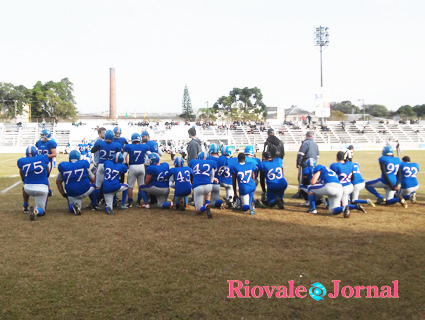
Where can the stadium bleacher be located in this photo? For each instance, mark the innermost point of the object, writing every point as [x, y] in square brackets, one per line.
[373, 132]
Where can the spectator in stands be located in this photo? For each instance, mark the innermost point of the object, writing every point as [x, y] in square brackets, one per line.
[195, 145]
[308, 149]
[309, 118]
[398, 149]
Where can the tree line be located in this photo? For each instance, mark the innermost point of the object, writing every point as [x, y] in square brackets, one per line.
[48, 100]
[377, 110]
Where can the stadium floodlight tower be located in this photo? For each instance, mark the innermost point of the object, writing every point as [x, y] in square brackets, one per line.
[321, 39]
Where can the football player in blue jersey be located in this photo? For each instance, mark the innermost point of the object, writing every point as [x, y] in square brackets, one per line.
[136, 152]
[156, 183]
[409, 180]
[153, 145]
[78, 180]
[203, 172]
[179, 178]
[244, 173]
[83, 146]
[250, 156]
[344, 171]
[307, 174]
[107, 150]
[276, 182]
[47, 146]
[215, 193]
[223, 167]
[358, 185]
[325, 183]
[390, 178]
[34, 171]
[111, 184]
[118, 139]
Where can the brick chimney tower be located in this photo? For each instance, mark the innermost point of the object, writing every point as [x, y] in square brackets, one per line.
[113, 95]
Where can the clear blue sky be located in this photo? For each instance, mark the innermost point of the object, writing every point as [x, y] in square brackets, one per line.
[376, 50]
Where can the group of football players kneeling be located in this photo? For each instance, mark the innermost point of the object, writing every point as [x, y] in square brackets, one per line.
[336, 187]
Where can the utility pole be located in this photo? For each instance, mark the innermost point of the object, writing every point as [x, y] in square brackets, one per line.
[362, 100]
[208, 112]
[321, 39]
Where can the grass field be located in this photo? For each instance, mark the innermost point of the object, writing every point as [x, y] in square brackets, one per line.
[142, 264]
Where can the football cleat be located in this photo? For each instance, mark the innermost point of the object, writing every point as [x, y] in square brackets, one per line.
[208, 211]
[413, 197]
[182, 205]
[346, 212]
[312, 211]
[25, 210]
[33, 213]
[237, 204]
[259, 204]
[263, 197]
[76, 209]
[403, 202]
[129, 205]
[109, 211]
[381, 201]
[279, 203]
[370, 202]
[145, 206]
[359, 207]
[305, 204]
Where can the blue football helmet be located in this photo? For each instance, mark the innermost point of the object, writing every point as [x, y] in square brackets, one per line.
[117, 132]
[45, 135]
[202, 155]
[118, 158]
[145, 133]
[226, 151]
[214, 148]
[178, 162]
[311, 162]
[74, 155]
[153, 158]
[135, 137]
[31, 151]
[387, 151]
[109, 135]
[249, 150]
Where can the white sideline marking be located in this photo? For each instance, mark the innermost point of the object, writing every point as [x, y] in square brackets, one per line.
[9, 159]
[12, 186]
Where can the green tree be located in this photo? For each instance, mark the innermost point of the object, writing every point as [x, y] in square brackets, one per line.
[345, 107]
[207, 114]
[187, 110]
[406, 111]
[13, 99]
[337, 115]
[377, 110]
[249, 100]
[419, 110]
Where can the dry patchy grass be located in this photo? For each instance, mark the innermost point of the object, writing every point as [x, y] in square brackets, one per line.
[159, 264]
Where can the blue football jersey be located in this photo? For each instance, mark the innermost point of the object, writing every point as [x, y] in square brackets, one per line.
[326, 175]
[106, 150]
[224, 170]
[357, 175]
[409, 173]
[201, 171]
[153, 146]
[83, 148]
[136, 153]
[111, 181]
[121, 141]
[216, 174]
[159, 174]
[244, 176]
[256, 161]
[181, 175]
[44, 147]
[273, 171]
[392, 164]
[344, 172]
[34, 169]
[75, 177]
[308, 171]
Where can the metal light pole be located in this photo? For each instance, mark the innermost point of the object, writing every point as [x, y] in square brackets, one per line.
[362, 100]
[321, 39]
[208, 112]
